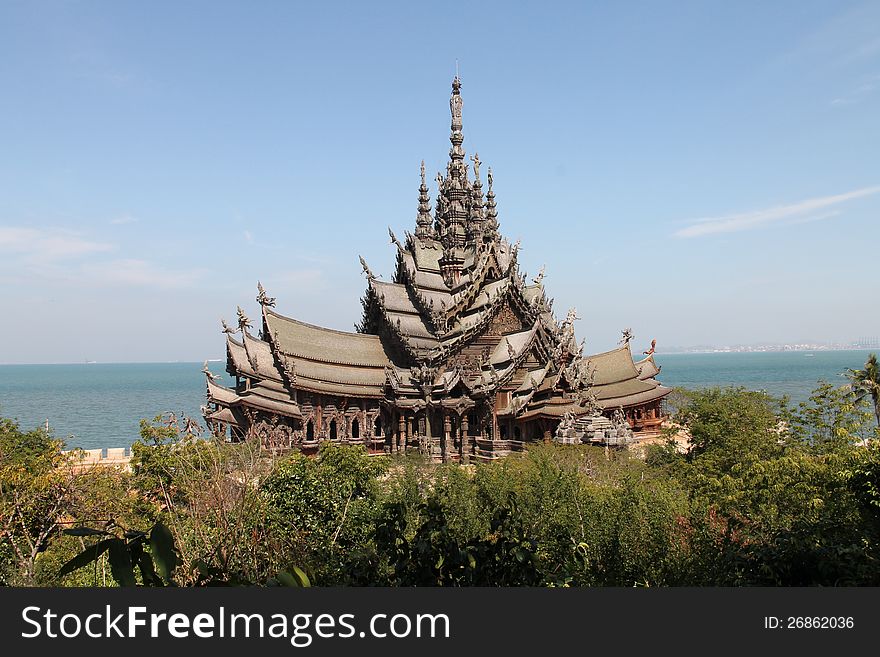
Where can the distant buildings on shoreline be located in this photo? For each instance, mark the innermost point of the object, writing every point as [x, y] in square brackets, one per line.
[861, 343]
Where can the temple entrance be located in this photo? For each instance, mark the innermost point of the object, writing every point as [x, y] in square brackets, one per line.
[310, 430]
[332, 429]
[355, 429]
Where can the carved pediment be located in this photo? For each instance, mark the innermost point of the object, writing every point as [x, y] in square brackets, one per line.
[506, 321]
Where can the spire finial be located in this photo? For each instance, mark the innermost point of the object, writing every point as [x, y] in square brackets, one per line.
[454, 199]
[490, 230]
[424, 223]
[455, 105]
[476, 218]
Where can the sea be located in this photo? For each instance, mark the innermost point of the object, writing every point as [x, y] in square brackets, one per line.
[96, 405]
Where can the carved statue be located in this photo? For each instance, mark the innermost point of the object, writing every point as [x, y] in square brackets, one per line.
[227, 329]
[619, 420]
[651, 350]
[455, 103]
[475, 158]
[540, 277]
[627, 336]
[262, 298]
[511, 352]
[565, 427]
[243, 321]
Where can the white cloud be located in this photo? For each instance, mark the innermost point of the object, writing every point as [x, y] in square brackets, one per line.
[865, 88]
[64, 258]
[47, 244]
[140, 273]
[123, 219]
[812, 218]
[248, 237]
[758, 218]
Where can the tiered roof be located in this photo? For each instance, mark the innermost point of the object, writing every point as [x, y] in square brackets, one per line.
[458, 320]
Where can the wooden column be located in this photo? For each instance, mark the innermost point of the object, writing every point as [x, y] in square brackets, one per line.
[401, 432]
[444, 446]
[465, 446]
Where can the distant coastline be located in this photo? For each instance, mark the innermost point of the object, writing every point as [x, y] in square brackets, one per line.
[770, 348]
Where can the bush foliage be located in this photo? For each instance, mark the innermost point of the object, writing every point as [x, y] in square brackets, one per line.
[764, 494]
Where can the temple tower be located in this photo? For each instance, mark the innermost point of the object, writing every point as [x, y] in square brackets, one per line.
[424, 223]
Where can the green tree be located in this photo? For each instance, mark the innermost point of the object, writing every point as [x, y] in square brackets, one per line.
[865, 383]
[730, 425]
[37, 490]
[323, 508]
[831, 420]
[209, 493]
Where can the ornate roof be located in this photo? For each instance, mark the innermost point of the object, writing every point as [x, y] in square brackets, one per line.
[297, 338]
[458, 323]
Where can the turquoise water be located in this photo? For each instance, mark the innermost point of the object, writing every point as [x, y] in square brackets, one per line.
[100, 405]
[792, 373]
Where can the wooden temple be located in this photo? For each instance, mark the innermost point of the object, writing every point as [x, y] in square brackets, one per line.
[458, 356]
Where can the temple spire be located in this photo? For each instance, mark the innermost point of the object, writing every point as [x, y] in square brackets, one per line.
[424, 223]
[490, 230]
[455, 189]
[456, 153]
[476, 218]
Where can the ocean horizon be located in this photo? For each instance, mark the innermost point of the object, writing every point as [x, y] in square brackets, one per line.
[97, 405]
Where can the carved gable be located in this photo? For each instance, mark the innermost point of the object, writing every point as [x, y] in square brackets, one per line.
[506, 321]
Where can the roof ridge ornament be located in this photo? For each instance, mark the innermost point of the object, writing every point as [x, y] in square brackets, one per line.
[394, 239]
[627, 335]
[228, 329]
[262, 298]
[370, 275]
[243, 321]
[540, 277]
[208, 373]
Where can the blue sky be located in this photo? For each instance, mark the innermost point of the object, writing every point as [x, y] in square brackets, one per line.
[703, 172]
